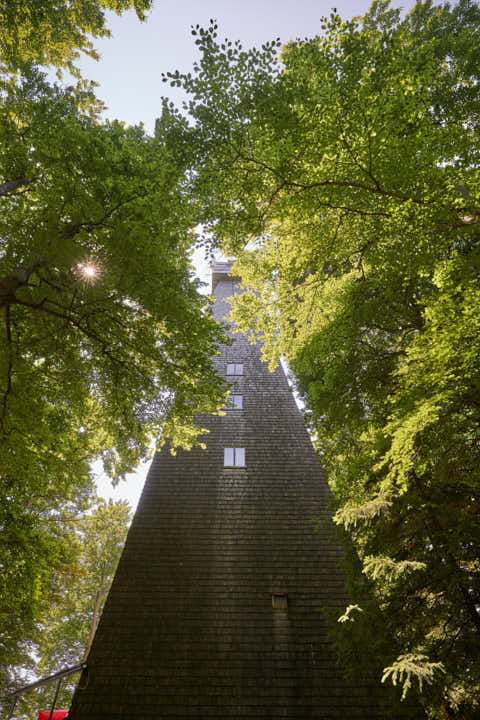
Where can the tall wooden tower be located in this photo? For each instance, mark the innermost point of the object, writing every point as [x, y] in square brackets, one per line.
[215, 611]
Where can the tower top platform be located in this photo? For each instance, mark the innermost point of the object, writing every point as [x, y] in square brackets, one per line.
[221, 270]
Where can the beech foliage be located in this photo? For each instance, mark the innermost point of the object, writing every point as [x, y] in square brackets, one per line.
[54, 32]
[342, 171]
[105, 341]
[65, 629]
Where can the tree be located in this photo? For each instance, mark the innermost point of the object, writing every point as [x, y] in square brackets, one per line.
[65, 630]
[70, 629]
[345, 178]
[106, 341]
[37, 551]
[51, 32]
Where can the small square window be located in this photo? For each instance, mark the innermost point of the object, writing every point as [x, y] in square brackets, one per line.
[235, 402]
[235, 369]
[280, 601]
[234, 457]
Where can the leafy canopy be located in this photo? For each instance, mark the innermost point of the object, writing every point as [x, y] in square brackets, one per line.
[92, 366]
[106, 342]
[52, 32]
[345, 178]
[89, 361]
[65, 628]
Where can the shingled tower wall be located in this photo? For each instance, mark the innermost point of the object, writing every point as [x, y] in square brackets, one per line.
[190, 629]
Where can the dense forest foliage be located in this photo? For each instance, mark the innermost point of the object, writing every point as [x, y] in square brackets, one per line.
[106, 342]
[344, 176]
[68, 617]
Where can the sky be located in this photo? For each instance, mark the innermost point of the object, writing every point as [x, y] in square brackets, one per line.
[133, 59]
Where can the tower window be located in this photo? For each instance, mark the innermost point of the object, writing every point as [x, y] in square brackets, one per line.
[235, 369]
[280, 601]
[234, 457]
[235, 402]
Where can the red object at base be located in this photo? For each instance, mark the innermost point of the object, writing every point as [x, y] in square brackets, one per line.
[56, 715]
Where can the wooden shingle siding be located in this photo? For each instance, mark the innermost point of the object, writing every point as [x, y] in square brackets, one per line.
[189, 631]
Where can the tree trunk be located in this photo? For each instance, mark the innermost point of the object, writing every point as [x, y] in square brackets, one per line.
[94, 621]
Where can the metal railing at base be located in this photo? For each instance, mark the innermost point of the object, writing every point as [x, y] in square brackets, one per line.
[13, 697]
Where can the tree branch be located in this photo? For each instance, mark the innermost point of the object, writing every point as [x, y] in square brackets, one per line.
[334, 183]
[9, 367]
[72, 320]
[9, 187]
[70, 229]
[10, 283]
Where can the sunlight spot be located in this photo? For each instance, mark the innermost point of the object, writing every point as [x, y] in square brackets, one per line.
[89, 271]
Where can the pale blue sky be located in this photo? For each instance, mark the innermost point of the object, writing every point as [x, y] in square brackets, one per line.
[132, 61]
[129, 72]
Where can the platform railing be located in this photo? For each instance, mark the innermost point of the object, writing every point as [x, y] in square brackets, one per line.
[58, 676]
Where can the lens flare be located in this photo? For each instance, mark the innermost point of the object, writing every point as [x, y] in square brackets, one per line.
[88, 271]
